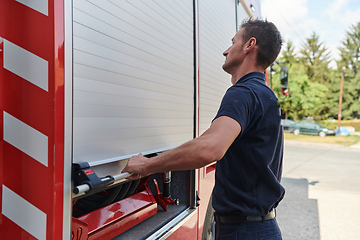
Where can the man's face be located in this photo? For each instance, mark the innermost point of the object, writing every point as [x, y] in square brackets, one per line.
[234, 55]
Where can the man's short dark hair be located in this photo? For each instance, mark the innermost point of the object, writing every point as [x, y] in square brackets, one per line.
[268, 40]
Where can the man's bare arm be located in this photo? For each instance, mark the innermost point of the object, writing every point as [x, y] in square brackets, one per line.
[209, 147]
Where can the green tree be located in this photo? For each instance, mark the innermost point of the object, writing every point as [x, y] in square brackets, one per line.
[288, 55]
[316, 57]
[331, 107]
[350, 52]
[350, 58]
[306, 98]
[351, 97]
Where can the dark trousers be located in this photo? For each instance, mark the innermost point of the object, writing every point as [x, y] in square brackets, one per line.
[267, 230]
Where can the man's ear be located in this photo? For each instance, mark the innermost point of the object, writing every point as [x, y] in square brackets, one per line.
[250, 45]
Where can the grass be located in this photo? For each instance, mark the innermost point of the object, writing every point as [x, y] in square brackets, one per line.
[334, 124]
[346, 141]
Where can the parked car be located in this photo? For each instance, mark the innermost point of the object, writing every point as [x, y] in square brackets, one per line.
[286, 124]
[311, 128]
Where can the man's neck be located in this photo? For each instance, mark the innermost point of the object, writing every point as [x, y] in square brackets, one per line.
[243, 71]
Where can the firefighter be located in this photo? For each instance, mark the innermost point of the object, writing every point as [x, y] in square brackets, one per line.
[245, 138]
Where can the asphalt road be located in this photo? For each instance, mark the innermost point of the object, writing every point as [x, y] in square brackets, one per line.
[322, 200]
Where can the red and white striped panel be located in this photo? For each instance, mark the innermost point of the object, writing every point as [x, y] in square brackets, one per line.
[31, 147]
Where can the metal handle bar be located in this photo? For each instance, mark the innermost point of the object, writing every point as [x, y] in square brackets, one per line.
[85, 187]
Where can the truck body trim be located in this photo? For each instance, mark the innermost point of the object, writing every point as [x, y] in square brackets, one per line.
[173, 225]
[19, 134]
[68, 116]
[15, 208]
[22, 63]
[38, 5]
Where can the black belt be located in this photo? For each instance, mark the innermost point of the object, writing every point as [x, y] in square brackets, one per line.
[238, 219]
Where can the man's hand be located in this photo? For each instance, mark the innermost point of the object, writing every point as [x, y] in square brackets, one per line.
[137, 166]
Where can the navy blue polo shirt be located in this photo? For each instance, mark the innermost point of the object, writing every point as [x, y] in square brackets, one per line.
[247, 178]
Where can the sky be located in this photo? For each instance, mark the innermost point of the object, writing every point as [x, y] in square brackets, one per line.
[298, 19]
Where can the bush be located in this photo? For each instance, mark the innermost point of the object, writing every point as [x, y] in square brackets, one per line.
[334, 124]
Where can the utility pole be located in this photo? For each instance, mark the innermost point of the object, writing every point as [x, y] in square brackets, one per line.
[340, 99]
[271, 73]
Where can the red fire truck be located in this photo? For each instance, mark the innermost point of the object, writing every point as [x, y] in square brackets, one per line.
[86, 84]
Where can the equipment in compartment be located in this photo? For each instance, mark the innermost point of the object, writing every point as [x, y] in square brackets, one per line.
[102, 216]
[111, 208]
[104, 198]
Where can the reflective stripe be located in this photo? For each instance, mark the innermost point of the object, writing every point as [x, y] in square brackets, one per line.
[26, 65]
[23, 213]
[26, 138]
[38, 5]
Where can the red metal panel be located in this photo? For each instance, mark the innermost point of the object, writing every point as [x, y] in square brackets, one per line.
[25, 176]
[27, 102]
[206, 185]
[8, 228]
[114, 219]
[28, 28]
[32, 182]
[58, 94]
[79, 230]
[2, 222]
[189, 230]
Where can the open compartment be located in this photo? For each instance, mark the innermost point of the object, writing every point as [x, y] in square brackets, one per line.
[116, 207]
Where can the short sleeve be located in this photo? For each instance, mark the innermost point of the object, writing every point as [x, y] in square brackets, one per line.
[239, 104]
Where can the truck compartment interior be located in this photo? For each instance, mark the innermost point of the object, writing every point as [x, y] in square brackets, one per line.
[93, 205]
[180, 190]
